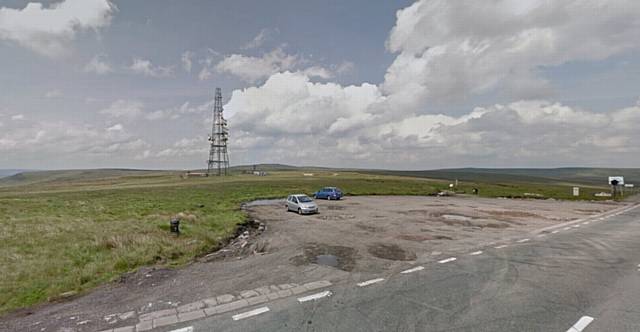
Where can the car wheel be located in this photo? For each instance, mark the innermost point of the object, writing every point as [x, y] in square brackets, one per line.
[328, 197]
[300, 211]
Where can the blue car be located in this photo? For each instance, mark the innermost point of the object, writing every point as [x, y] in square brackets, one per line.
[328, 193]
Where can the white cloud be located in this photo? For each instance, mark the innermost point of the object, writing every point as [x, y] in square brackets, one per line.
[17, 117]
[98, 65]
[187, 60]
[146, 68]
[116, 127]
[177, 112]
[253, 69]
[453, 49]
[48, 30]
[127, 109]
[259, 39]
[208, 64]
[53, 94]
[51, 140]
[447, 50]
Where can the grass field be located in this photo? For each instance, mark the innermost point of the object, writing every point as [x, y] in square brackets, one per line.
[72, 230]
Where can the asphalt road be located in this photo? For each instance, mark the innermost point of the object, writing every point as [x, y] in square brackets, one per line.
[545, 283]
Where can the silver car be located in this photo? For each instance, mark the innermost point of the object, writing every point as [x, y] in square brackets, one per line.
[302, 204]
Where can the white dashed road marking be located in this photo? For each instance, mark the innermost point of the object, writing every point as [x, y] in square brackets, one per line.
[502, 246]
[370, 282]
[542, 235]
[581, 324]
[476, 253]
[567, 228]
[415, 269]
[251, 313]
[184, 329]
[450, 259]
[522, 241]
[576, 226]
[314, 296]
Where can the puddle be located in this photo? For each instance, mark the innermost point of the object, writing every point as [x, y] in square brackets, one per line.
[343, 258]
[328, 260]
[391, 252]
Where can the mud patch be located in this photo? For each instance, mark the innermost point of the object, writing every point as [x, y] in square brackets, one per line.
[415, 237]
[496, 225]
[513, 214]
[369, 228]
[343, 258]
[340, 217]
[391, 252]
[333, 207]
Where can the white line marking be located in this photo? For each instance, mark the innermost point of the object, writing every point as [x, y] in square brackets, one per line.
[554, 232]
[184, 329]
[369, 282]
[567, 228]
[522, 241]
[581, 324]
[501, 246]
[576, 226]
[415, 269]
[475, 253]
[542, 235]
[314, 296]
[251, 313]
[450, 259]
[585, 223]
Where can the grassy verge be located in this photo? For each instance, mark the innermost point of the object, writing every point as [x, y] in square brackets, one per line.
[62, 236]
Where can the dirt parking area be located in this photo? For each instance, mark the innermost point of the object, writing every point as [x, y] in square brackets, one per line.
[367, 234]
[352, 239]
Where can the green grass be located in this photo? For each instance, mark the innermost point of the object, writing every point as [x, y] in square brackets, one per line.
[62, 232]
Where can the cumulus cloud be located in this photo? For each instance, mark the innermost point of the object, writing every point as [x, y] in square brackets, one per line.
[342, 125]
[252, 69]
[147, 68]
[49, 140]
[447, 50]
[17, 117]
[452, 49]
[127, 109]
[48, 29]
[98, 65]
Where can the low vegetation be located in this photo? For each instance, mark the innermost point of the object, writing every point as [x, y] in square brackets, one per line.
[63, 233]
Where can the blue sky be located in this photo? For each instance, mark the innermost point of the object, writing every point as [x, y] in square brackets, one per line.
[384, 84]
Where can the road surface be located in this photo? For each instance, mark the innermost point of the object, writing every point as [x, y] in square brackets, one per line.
[584, 276]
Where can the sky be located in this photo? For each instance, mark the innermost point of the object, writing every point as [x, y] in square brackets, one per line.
[374, 84]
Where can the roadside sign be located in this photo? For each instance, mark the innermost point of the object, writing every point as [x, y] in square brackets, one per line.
[616, 180]
[629, 185]
[576, 191]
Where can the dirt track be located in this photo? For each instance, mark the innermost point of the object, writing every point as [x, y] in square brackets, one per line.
[350, 239]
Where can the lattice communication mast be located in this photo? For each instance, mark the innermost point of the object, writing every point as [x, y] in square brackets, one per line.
[218, 162]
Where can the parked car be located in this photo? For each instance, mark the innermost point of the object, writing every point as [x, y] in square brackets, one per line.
[328, 193]
[302, 204]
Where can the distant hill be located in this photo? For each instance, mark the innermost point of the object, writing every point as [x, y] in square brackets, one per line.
[10, 172]
[578, 175]
[574, 175]
[61, 176]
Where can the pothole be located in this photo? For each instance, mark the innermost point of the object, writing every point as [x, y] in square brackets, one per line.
[391, 252]
[340, 257]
